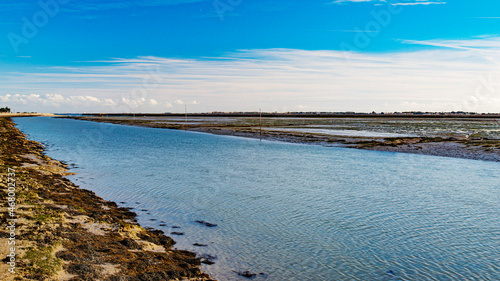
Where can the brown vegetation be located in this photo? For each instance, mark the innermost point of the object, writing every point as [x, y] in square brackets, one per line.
[67, 233]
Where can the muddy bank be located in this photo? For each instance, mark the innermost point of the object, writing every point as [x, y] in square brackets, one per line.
[62, 232]
[457, 145]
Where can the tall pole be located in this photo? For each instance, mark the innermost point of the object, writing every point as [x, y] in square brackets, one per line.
[260, 124]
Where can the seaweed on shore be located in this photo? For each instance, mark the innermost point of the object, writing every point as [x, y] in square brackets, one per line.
[68, 233]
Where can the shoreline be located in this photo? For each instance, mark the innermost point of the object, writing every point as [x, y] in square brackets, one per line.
[34, 114]
[444, 146]
[63, 232]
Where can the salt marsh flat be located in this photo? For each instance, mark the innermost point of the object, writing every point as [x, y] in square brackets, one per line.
[472, 138]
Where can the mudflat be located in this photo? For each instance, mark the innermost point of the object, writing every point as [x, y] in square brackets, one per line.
[470, 138]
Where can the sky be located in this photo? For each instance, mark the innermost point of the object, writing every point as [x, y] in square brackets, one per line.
[240, 55]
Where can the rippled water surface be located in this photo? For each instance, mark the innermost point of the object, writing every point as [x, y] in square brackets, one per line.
[293, 212]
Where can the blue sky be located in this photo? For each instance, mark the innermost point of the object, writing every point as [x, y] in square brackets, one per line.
[157, 55]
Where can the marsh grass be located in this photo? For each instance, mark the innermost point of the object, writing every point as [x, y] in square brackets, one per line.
[42, 260]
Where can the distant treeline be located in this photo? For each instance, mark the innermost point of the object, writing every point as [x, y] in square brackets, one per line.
[5, 109]
[309, 114]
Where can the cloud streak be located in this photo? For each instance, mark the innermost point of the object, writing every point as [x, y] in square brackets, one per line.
[482, 45]
[456, 75]
[395, 3]
[417, 3]
[96, 5]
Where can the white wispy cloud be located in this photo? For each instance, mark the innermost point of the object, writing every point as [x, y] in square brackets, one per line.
[353, 30]
[16, 5]
[388, 2]
[353, 1]
[482, 44]
[55, 100]
[98, 5]
[417, 3]
[455, 75]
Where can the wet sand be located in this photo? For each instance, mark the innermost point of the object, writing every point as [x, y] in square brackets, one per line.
[63, 232]
[465, 139]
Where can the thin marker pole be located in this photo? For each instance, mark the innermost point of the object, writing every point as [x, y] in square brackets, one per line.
[260, 124]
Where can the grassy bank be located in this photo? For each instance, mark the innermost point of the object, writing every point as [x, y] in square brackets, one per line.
[62, 232]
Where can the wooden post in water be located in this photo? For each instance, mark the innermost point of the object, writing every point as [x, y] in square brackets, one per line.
[260, 124]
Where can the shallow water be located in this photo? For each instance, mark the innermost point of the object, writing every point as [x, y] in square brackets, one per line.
[293, 212]
[344, 133]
